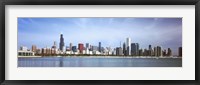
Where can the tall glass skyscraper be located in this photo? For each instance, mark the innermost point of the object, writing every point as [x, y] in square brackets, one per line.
[135, 49]
[62, 44]
[128, 46]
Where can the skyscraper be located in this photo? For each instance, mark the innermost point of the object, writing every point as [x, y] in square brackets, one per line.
[133, 49]
[80, 48]
[87, 45]
[124, 48]
[128, 46]
[137, 49]
[180, 51]
[150, 51]
[119, 51]
[159, 51]
[74, 49]
[54, 45]
[62, 44]
[99, 46]
[70, 46]
[169, 52]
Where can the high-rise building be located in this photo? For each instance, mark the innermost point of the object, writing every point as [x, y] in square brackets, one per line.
[150, 52]
[70, 46]
[74, 49]
[133, 49]
[124, 48]
[54, 45]
[87, 45]
[80, 48]
[119, 51]
[180, 51]
[159, 51]
[128, 46]
[62, 44]
[100, 47]
[164, 53]
[137, 49]
[169, 52]
[34, 48]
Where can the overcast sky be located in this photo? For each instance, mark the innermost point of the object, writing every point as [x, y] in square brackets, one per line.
[42, 32]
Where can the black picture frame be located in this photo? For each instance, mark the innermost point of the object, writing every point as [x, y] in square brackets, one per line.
[98, 2]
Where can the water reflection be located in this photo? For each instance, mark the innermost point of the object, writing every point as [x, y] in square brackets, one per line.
[98, 62]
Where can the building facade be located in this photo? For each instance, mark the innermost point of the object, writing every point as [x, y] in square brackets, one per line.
[62, 44]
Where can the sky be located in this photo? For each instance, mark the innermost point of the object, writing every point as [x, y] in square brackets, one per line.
[42, 32]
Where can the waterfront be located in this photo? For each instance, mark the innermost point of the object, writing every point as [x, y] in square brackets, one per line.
[100, 61]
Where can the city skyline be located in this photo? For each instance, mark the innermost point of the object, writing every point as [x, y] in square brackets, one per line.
[111, 32]
[128, 49]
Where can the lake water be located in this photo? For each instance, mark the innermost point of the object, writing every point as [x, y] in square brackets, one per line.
[98, 62]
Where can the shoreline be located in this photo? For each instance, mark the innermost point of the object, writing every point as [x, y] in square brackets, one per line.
[92, 57]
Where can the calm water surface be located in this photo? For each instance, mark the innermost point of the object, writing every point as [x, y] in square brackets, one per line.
[98, 62]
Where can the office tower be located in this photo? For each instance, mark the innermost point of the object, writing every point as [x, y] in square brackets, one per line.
[54, 48]
[150, 51]
[102, 49]
[119, 51]
[128, 46]
[164, 53]
[80, 48]
[70, 46]
[54, 45]
[133, 49]
[74, 49]
[62, 44]
[114, 51]
[90, 47]
[87, 45]
[159, 51]
[124, 48]
[44, 51]
[180, 51]
[38, 51]
[34, 48]
[169, 52]
[99, 46]
[137, 49]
